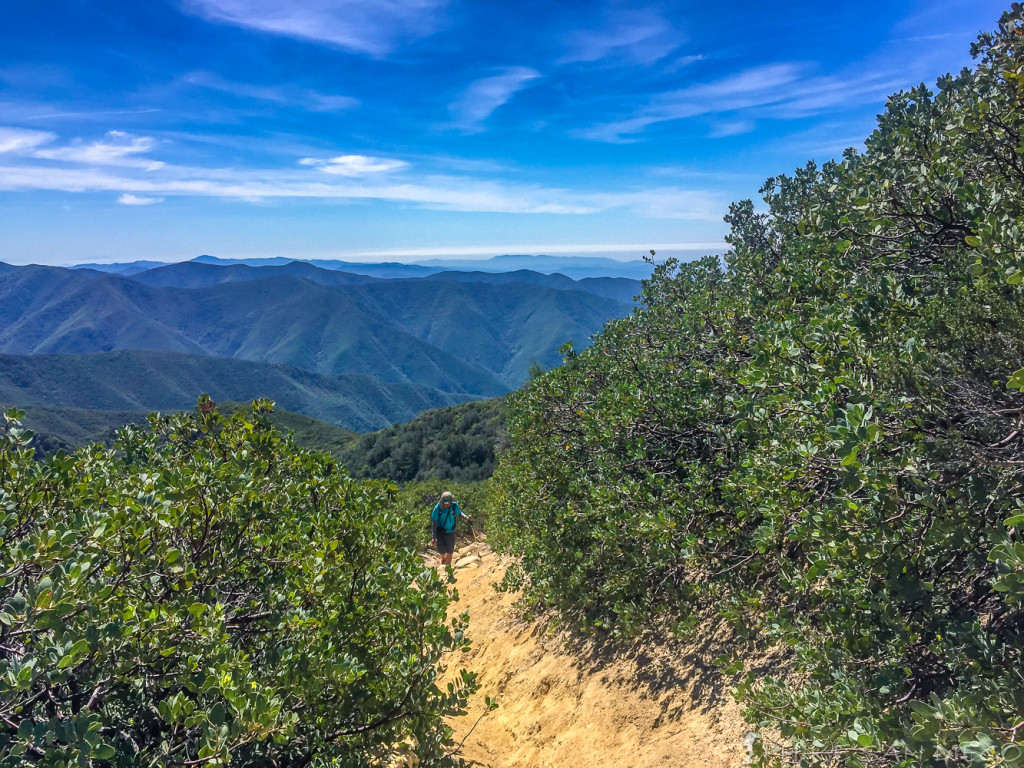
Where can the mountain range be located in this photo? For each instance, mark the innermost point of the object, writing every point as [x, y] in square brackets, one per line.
[575, 267]
[352, 349]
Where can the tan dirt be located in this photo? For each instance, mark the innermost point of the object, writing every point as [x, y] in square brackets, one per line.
[564, 703]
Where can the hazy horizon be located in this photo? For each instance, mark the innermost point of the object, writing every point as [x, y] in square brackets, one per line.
[424, 257]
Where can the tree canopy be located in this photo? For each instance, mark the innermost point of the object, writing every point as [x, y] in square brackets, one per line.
[458, 443]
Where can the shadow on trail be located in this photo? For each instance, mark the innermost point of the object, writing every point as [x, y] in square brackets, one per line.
[661, 666]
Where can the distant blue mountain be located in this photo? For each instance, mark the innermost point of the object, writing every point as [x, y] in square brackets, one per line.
[196, 274]
[619, 288]
[576, 267]
[387, 269]
[123, 268]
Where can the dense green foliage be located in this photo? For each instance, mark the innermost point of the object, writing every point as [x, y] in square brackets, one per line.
[820, 438]
[457, 443]
[206, 593]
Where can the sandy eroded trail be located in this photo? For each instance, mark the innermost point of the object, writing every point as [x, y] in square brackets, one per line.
[565, 704]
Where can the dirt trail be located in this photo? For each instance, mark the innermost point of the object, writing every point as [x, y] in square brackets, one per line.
[662, 704]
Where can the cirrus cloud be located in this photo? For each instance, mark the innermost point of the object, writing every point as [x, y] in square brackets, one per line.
[115, 164]
[118, 148]
[355, 165]
[129, 199]
[633, 36]
[374, 27]
[483, 96]
[22, 140]
[781, 91]
[287, 95]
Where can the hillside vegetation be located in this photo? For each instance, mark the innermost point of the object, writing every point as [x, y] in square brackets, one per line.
[457, 443]
[142, 380]
[820, 438]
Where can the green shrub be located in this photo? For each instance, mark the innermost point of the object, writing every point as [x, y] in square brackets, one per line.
[205, 593]
[816, 437]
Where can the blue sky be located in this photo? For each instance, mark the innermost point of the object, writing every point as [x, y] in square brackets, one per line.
[399, 129]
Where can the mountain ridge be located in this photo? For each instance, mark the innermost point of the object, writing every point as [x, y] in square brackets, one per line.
[576, 267]
[478, 339]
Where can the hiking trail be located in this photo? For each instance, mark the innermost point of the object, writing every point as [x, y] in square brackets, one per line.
[563, 702]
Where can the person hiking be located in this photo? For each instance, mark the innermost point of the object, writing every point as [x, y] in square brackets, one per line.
[442, 526]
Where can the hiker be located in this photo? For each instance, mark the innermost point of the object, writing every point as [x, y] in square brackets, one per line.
[442, 526]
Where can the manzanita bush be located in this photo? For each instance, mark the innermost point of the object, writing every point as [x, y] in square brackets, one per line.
[205, 593]
[822, 437]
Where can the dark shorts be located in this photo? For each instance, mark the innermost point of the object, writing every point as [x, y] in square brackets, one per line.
[446, 542]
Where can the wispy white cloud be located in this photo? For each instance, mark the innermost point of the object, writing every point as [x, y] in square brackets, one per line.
[355, 165]
[374, 27]
[118, 148]
[682, 62]
[22, 139]
[129, 199]
[309, 99]
[430, 192]
[666, 203]
[354, 177]
[27, 111]
[780, 91]
[634, 36]
[483, 96]
[726, 128]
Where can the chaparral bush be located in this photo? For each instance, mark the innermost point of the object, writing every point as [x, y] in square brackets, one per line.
[820, 436]
[205, 593]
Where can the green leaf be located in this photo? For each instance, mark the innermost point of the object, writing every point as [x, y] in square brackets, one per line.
[104, 752]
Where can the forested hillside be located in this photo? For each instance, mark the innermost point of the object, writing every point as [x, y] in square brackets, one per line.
[819, 438]
[197, 273]
[461, 337]
[457, 443]
[150, 381]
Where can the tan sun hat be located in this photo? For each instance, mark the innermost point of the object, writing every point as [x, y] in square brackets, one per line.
[447, 496]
